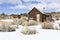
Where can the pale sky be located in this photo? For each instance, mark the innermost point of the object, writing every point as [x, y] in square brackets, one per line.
[24, 6]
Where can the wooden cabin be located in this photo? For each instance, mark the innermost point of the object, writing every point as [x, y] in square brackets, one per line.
[35, 14]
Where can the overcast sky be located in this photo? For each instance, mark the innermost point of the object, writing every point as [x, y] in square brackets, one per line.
[24, 6]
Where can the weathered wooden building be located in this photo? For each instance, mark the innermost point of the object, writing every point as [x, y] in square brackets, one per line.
[35, 14]
[15, 16]
[55, 15]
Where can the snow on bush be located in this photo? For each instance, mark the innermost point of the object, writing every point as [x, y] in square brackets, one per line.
[28, 31]
[31, 29]
[7, 20]
[15, 26]
[38, 27]
[56, 25]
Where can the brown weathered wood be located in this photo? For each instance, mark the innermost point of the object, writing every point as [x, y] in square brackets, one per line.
[33, 13]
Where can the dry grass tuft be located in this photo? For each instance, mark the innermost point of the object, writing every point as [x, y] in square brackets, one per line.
[47, 25]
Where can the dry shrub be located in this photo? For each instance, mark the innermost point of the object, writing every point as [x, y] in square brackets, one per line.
[1, 28]
[16, 22]
[10, 29]
[28, 23]
[6, 28]
[24, 21]
[32, 22]
[47, 25]
[29, 32]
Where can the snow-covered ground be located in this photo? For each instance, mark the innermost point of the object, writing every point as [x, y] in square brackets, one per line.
[43, 34]
[7, 20]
